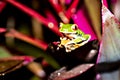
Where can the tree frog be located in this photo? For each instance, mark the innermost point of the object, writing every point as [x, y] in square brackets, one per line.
[72, 37]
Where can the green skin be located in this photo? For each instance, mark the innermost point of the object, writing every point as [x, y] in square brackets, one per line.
[73, 29]
[71, 32]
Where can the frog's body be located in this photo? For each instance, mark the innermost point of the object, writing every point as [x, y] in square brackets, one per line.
[73, 37]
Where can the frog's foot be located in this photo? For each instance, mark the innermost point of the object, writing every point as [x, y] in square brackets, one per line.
[85, 40]
[70, 47]
[87, 37]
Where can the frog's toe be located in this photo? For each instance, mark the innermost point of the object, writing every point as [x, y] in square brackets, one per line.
[87, 37]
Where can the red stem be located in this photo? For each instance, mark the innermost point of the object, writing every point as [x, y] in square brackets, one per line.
[51, 17]
[35, 42]
[59, 11]
[56, 6]
[36, 15]
[2, 5]
[2, 30]
[72, 9]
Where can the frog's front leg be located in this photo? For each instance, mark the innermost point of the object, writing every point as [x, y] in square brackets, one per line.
[80, 33]
[70, 46]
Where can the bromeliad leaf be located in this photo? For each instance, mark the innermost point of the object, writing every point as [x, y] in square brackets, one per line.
[64, 74]
[9, 64]
[110, 44]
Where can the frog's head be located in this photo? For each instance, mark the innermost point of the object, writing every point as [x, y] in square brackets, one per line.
[68, 28]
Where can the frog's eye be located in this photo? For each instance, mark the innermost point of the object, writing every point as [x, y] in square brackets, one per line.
[74, 27]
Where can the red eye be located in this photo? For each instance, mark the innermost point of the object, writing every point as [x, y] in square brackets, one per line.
[74, 27]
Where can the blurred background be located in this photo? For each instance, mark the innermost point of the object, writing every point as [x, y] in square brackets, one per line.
[28, 26]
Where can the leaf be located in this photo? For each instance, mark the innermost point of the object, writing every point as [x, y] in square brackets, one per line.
[9, 64]
[4, 52]
[94, 12]
[63, 74]
[110, 44]
[31, 50]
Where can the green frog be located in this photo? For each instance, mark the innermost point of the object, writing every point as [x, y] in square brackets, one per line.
[72, 37]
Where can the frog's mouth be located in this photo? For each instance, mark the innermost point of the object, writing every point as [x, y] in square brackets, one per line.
[69, 35]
